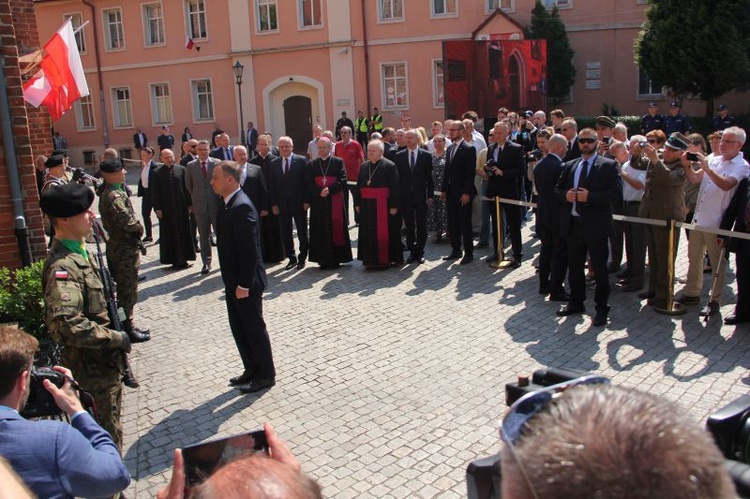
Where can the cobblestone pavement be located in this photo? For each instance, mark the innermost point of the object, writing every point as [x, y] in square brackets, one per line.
[390, 382]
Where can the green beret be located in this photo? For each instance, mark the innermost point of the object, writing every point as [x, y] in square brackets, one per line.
[110, 166]
[67, 200]
[54, 160]
[605, 121]
[678, 141]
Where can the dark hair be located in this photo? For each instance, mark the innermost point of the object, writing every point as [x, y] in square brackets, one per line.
[17, 349]
[230, 168]
[470, 115]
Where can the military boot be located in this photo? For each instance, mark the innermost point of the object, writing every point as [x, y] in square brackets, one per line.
[135, 335]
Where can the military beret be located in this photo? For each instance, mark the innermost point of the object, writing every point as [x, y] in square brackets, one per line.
[110, 166]
[54, 160]
[678, 141]
[67, 200]
[61, 152]
[605, 121]
[675, 103]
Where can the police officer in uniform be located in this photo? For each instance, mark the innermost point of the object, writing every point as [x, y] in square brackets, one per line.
[376, 121]
[723, 120]
[76, 308]
[123, 247]
[652, 120]
[676, 121]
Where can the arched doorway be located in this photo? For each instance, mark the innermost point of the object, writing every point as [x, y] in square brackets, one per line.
[514, 82]
[298, 121]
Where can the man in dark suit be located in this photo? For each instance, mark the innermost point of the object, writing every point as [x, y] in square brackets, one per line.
[458, 191]
[569, 130]
[417, 190]
[192, 155]
[503, 170]
[148, 166]
[251, 139]
[224, 151]
[737, 218]
[587, 189]
[203, 202]
[553, 255]
[244, 279]
[139, 139]
[252, 181]
[289, 199]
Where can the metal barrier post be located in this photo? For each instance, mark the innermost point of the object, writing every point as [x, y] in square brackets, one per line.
[501, 262]
[672, 308]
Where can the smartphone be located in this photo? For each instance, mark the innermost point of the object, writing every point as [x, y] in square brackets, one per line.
[691, 156]
[202, 459]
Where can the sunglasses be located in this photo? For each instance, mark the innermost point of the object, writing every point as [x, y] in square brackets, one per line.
[652, 141]
[585, 140]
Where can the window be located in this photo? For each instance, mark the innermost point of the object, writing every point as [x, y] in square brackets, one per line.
[153, 24]
[161, 103]
[648, 87]
[310, 13]
[267, 15]
[84, 108]
[390, 10]
[122, 114]
[438, 89]
[196, 11]
[447, 8]
[203, 100]
[561, 4]
[76, 20]
[504, 5]
[114, 36]
[393, 76]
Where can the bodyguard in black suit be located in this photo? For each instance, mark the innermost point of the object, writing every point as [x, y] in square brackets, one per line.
[252, 181]
[737, 218]
[244, 279]
[139, 139]
[224, 151]
[458, 191]
[289, 199]
[144, 190]
[417, 190]
[587, 189]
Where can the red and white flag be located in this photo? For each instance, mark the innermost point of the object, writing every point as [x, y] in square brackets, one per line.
[61, 80]
[190, 44]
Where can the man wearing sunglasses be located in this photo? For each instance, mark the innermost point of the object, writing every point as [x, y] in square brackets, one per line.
[588, 187]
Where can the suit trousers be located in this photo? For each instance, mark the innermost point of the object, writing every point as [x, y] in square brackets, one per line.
[250, 334]
[147, 206]
[553, 258]
[618, 238]
[459, 226]
[578, 247]
[658, 261]
[742, 309]
[415, 219]
[204, 222]
[512, 223]
[699, 243]
[300, 221]
[635, 245]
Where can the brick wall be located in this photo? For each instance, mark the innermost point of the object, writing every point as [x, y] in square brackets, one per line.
[31, 133]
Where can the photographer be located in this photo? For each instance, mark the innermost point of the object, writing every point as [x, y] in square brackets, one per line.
[54, 459]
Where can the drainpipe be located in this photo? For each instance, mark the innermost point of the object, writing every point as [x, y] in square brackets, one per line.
[367, 56]
[16, 194]
[95, 24]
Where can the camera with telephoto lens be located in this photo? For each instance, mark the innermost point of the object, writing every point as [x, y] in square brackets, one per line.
[730, 427]
[41, 404]
[489, 165]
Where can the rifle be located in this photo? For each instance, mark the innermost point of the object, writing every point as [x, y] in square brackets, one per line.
[128, 379]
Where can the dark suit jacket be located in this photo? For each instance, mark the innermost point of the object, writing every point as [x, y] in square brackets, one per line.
[218, 153]
[252, 139]
[152, 168]
[734, 216]
[574, 151]
[511, 162]
[546, 173]
[289, 192]
[186, 136]
[459, 172]
[57, 459]
[137, 143]
[417, 186]
[238, 241]
[188, 159]
[256, 188]
[605, 189]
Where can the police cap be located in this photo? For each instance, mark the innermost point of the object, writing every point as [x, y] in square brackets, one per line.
[605, 121]
[678, 142]
[54, 160]
[66, 200]
[110, 166]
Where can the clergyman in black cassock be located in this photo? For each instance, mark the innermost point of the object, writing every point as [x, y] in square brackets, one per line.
[329, 234]
[270, 229]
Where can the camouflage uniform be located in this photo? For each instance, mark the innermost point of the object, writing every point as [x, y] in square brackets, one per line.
[123, 256]
[76, 317]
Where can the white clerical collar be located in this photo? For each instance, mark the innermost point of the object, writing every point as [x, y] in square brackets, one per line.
[226, 199]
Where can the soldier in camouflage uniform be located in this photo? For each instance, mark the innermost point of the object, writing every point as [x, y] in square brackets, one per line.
[123, 246]
[54, 177]
[76, 308]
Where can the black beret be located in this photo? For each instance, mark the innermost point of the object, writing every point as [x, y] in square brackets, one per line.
[678, 141]
[61, 152]
[110, 166]
[605, 121]
[53, 161]
[66, 200]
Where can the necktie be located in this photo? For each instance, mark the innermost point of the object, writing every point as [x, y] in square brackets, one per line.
[584, 173]
[412, 159]
[453, 151]
[226, 154]
[286, 166]
[203, 169]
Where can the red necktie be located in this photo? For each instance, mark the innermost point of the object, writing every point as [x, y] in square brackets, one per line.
[203, 168]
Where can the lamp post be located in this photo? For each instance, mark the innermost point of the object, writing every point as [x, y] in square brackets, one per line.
[238, 70]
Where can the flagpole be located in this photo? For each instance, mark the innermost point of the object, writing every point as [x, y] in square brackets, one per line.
[79, 28]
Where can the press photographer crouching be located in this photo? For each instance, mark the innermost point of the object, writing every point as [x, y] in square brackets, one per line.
[54, 459]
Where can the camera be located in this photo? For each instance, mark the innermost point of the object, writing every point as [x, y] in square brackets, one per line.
[535, 155]
[40, 403]
[643, 143]
[489, 165]
[691, 156]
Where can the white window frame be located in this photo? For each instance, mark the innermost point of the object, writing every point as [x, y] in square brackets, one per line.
[489, 6]
[384, 87]
[119, 121]
[80, 34]
[648, 96]
[201, 15]
[438, 81]
[444, 15]
[196, 102]
[391, 19]
[560, 4]
[268, 4]
[154, 99]
[81, 106]
[106, 27]
[146, 10]
[316, 4]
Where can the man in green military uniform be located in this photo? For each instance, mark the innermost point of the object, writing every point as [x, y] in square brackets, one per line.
[123, 246]
[75, 306]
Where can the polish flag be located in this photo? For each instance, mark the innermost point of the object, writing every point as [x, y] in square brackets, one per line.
[190, 44]
[61, 80]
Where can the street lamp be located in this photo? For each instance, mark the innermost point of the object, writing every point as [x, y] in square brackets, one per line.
[238, 70]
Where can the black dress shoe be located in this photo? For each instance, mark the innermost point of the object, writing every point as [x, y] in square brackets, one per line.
[561, 296]
[567, 310]
[630, 287]
[300, 265]
[292, 263]
[452, 256]
[466, 259]
[600, 319]
[711, 308]
[646, 295]
[257, 385]
[622, 275]
[206, 269]
[612, 268]
[244, 378]
[544, 290]
[147, 240]
[733, 320]
[514, 263]
[411, 259]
